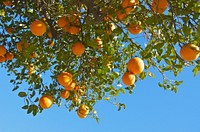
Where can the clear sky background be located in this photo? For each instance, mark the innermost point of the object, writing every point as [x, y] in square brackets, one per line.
[149, 109]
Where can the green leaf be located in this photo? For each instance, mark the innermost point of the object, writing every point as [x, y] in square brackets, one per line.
[25, 107]
[175, 90]
[22, 94]
[142, 75]
[15, 88]
[160, 85]
[177, 83]
[196, 71]
[107, 98]
[122, 90]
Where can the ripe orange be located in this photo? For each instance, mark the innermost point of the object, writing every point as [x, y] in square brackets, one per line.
[135, 65]
[7, 2]
[80, 115]
[93, 61]
[9, 30]
[159, 6]
[62, 22]
[71, 86]
[2, 58]
[121, 15]
[38, 28]
[73, 19]
[78, 49]
[128, 78]
[2, 50]
[128, 4]
[74, 30]
[66, 28]
[134, 28]
[33, 55]
[76, 100]
[65, 94]
[21, 45]
[50, 43]
[83, 111]
[49, 34]
[9, 56]
[46, 101]
[189, 52]
[65, 79]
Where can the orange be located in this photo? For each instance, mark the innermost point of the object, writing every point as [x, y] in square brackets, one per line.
[46, 101]
[65, 94]
[76, 99]
[81, 115]
[189, 52]
[78, 49]
[9, 56]
[73, 19]
[50, 43]
[66, 28]
[2, 50]
[2, 58]
[7, 2]
[33, 55]
[135, 65]
[21, 45]
[49, 34]
[38, 28]
[128, 78]
[74, 30]
[128, 5]
[93, 61]
[65, 79]
[71, 86]
[83, 111]
[159, 6]
[9, 30]
[134, 28]
[125, 3]
[121, 15]
[62, 22]
[76, 88]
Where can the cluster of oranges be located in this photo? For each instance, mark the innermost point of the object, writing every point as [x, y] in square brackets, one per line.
[70, 23]
[66, 80]
[135, 66]
[7, 2]
[158, 6]
[4, 55]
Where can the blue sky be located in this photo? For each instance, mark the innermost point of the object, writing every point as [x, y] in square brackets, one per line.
[149, 109]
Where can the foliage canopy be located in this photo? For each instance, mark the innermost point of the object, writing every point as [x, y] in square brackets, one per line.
[108, 32]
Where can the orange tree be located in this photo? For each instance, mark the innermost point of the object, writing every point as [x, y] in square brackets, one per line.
[78, 52]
